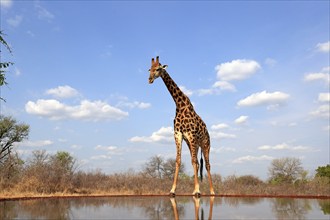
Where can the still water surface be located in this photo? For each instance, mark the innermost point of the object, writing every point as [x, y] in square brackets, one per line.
[166, 208]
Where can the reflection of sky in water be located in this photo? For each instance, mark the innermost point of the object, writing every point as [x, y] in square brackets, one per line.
[164, 208]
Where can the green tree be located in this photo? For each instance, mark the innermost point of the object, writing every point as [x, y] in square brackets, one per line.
[10, 132]
[63, 167]
[286, 170]
[3, 65]
[323, 171]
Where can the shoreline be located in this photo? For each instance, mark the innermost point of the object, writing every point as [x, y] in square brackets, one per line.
[71, 196]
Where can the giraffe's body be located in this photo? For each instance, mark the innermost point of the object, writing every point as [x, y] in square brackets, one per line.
[188, 126]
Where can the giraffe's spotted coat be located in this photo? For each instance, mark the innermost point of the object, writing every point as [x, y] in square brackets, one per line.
[188, 126]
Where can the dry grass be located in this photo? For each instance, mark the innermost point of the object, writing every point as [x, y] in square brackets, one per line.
[129, 183]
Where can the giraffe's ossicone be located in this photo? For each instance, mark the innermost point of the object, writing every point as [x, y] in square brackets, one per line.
[188, 126]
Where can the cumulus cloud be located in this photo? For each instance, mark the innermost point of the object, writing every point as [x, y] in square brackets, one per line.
[221, 135]
[323, 47]
[163, 135]
[285, 146]
[219, 126]
[217, 88]
[15, 21]
[264, 98]
[250, 158]
[237, 69]
[323, 111]
[186, 91]
[324, 97]
[63, 92]
[38, 143]
[241, 119]
[135, 104]
[86, 110]
[224, 85]
[324, 76]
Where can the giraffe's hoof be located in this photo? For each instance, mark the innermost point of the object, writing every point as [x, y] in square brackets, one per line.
[172, 194]
[197, 194]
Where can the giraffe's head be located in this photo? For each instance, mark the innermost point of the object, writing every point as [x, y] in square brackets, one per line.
[156, 69]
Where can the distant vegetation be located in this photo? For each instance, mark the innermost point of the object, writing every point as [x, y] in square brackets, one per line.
[44, 173]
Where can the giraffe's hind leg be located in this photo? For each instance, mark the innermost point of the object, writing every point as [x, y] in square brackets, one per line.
[206, 152]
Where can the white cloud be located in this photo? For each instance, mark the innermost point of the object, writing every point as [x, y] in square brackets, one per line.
[317, 77]
[43, 13]
[135, 104]
[202, 92]
[224, 85]
[264, 98]
[324, 75]
[223, 149]
[241, 119]
[217, 88]
[86, 110]
[322, 111]
[285, 146]
[62, 92]
[39, 143]
[106, 148]
[219, 126]
[221, 135]
[16, 21]
[163, 135]
[270, 62]
[6, 3]
[324, 97]
[250, 158]
[323, 47]
[237, 69]
[186, 91]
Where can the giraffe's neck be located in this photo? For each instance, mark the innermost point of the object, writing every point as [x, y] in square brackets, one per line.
[180, 99]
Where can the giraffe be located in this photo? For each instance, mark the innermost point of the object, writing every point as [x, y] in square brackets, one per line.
[188, 126]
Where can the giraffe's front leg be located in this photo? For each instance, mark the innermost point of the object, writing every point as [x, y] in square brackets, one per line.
[195, 164]
[178, 142]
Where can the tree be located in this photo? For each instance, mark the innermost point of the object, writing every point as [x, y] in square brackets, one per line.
[286, 170]
[10, 132]
[157, 167]
[154, 167]
[4, 65]
[169, 168]
[323, 171]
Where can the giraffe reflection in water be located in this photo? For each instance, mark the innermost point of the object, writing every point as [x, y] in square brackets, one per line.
[197, 207]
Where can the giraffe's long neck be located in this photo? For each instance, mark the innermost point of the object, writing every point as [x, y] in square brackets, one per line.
[180, 99]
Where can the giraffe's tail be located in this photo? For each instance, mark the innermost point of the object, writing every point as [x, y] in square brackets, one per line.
[201, 167]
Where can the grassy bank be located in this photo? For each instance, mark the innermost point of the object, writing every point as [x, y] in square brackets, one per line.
[129, 183]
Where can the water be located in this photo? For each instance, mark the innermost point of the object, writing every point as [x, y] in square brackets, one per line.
[166, 208]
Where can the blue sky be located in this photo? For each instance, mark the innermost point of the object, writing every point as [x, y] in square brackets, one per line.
[256, 72]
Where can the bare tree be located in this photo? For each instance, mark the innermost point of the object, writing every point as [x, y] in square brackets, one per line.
[285, 170]
[157, 167]
[154, 167]
[169, 168]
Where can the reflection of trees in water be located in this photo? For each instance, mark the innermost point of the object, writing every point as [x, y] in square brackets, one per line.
[285, 208]
[325, 206]
[8, 210]
[152, 207]
[236, 201]
[41, 208]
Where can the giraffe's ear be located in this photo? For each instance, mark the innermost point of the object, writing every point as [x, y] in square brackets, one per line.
[164, 66]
